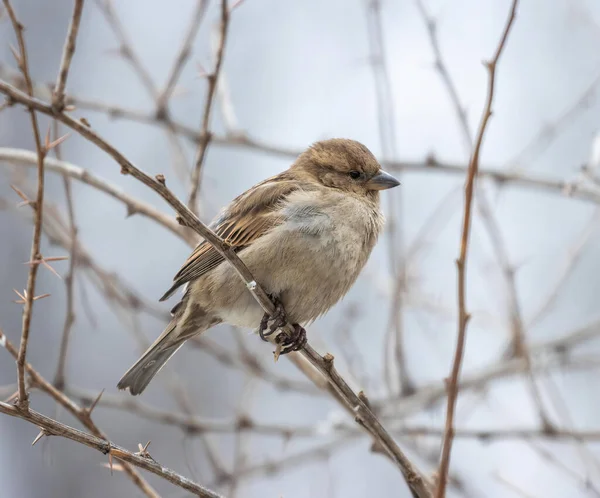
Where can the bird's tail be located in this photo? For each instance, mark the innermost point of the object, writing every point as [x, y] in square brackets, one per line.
[155, 357]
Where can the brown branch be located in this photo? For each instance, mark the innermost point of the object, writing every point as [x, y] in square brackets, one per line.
[182, 55]
[59, 377]
[143, 461]
[462, 265]
[82, 414]
[518, 346]
[125, 48]
[133, 205]
[414, 479]
[23, 402]
[58, 97]
[205, 135]
[127, 51]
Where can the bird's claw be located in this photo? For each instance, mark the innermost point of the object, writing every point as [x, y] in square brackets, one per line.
[278, 317]
[294, 342]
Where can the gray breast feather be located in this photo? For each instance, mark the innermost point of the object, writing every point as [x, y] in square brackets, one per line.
[307, 219]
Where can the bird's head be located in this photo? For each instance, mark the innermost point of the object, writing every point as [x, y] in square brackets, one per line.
[345, 165]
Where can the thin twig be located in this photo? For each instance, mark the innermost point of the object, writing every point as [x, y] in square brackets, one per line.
[58, 97]
[23, 401]
[55, 428]
[133, 205]
[205, 135]
[183, 55]
[452, 383]
[59, 377]
[518, 345]
[82, 414]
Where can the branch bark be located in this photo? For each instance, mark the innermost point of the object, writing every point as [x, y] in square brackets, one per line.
[461, 263]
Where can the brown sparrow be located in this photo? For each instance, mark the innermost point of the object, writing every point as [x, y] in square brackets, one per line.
[305, 235]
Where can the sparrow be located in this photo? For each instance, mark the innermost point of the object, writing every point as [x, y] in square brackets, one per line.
[304, 234]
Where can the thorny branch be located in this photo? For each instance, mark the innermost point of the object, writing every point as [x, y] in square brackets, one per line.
[452, 383]
[35, 255]
[144, 461]
[58, 97]
[82, 414]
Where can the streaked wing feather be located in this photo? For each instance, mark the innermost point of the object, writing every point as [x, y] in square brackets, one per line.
[247, 218]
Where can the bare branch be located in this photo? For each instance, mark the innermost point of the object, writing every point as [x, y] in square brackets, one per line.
[55, 428]
[23, 402]
[205, 135]
[134, 206]
[183, 54]
[462, 264]
[58, 97]
[81, 414]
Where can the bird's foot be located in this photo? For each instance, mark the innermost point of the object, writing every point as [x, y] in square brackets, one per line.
[295, 342]
[278, 317]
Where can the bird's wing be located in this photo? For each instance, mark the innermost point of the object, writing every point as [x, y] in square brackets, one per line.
[249, 216]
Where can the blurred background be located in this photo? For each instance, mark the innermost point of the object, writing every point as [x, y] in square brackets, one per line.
[406, 79]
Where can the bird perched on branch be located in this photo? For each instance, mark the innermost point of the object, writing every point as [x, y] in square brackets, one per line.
[305, 234]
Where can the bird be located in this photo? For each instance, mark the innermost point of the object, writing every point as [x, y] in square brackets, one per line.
[305, 235]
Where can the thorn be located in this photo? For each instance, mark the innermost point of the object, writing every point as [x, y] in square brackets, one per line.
[85, 122]
[160, 178]
[44, 261]
[43, 432]
[144, 451]
[20, 193]
[88, 411]
[277, 352]
[57, 142]
[130, 211]
[180, 220]
[124, 170]
[22, 296]
[328, 359]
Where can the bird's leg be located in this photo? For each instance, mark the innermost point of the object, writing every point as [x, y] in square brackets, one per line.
[278, 317]
[294, 343]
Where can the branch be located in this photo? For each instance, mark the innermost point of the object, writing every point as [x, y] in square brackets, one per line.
[205, 135]
[35, 255]
[462, 265]
[58, 97]
[82, 414]
[371, 424]
[134, 206]
[182, 55]
[143, 460]
[59, 377]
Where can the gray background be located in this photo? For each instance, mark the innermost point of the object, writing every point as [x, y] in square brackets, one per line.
[298, 72]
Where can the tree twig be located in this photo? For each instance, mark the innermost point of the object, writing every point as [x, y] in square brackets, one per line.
[35, 255]
[58, 97]
[183, 55]
[82, 414]
[52, 427]
[205, 135]
[461, 263]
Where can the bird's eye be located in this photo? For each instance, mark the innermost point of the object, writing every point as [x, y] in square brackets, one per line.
[355, 175]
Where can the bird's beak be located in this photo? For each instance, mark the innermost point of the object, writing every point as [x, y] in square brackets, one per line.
[382, 181]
